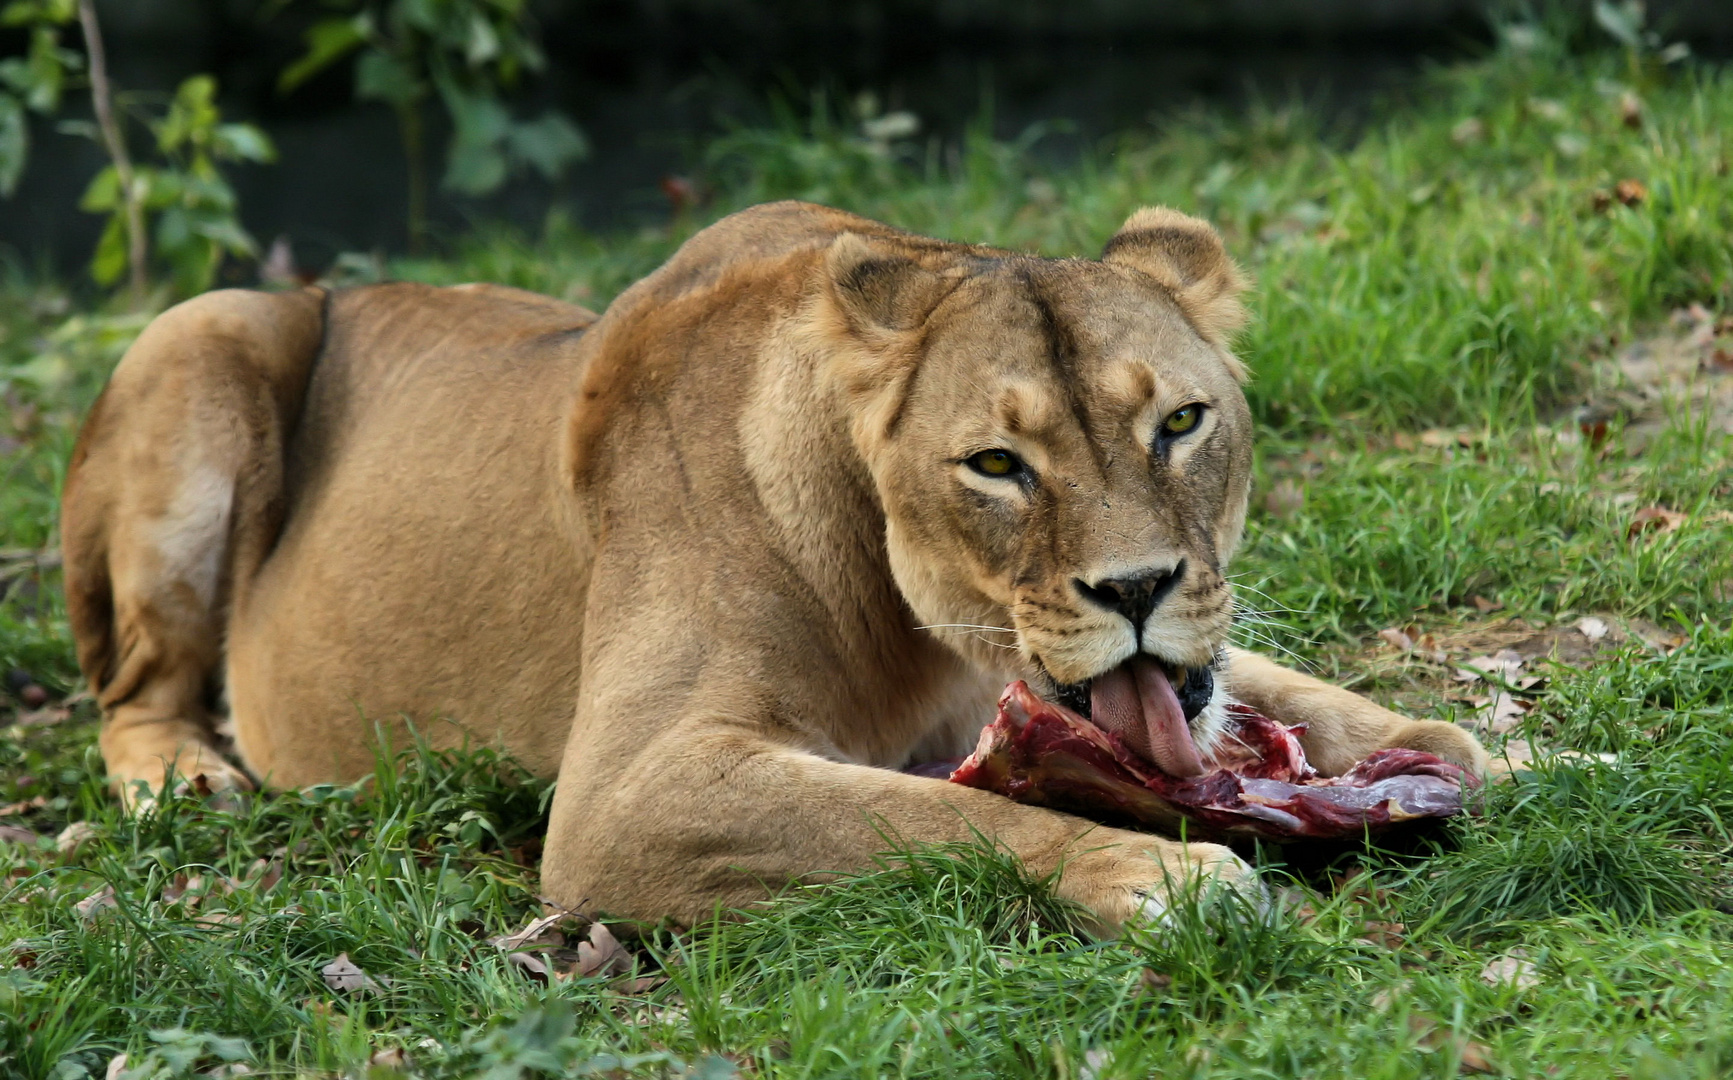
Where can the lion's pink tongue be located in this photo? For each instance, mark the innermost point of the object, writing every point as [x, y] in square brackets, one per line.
[1137, 703]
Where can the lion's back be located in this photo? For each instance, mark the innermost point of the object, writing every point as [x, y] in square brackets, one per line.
[426, 549]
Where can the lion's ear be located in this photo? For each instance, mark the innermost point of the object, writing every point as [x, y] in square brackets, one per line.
[876, 285]
[1185, 254]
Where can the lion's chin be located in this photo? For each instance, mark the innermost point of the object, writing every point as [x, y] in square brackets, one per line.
[1150, 705]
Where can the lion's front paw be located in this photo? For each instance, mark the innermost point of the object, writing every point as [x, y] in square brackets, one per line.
[1138, 879]
[1442, 740]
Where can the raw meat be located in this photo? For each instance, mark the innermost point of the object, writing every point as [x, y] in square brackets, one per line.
[1041, 753]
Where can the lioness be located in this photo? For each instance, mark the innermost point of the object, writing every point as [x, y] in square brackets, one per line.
[724, 559]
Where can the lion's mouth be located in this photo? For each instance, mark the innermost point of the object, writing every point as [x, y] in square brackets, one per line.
[1149, 705]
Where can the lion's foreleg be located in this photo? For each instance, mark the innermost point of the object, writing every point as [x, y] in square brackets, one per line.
[721, 819]
[1342, 727]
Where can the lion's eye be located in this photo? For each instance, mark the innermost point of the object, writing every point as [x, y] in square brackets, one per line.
[1182, 420]
[999, 463]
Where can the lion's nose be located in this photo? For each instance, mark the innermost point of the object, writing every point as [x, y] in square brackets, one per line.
[1132, 595]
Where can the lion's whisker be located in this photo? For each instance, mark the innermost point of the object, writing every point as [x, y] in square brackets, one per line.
[966, 626]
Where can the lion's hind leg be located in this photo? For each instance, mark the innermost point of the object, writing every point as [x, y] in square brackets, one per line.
[173, 497]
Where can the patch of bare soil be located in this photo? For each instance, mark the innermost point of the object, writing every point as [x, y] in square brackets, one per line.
[1489, 674]
[1651, 383]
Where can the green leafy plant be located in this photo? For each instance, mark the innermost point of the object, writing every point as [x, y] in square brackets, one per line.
[33, 82]
[468, 53]
[185, 194]
[182, 191]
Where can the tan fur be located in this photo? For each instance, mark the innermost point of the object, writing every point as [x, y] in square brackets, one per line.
[714, 559]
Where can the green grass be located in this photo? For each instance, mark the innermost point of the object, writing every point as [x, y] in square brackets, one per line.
[1409, 279]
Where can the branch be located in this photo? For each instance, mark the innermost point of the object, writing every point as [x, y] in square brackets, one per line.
[102, 102]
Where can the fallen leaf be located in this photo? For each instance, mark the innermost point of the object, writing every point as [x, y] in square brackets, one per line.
[15, 834]
[1485, 606]
[96, 904]
[1656, 519]
[531, 965]
[1442, 437]
[1398, 638]
[1471, 1056]
[1387, 997]
[1593, 628]
[343, 974]
[643, 984]
[183, 889]
[1630, 192]
[73, 837]
[392, 1057]
[1387, 935]
[1474, 1058]
[46, 717]
[1504, 665]
[1514, 968]
[262, 875]
[542, 931]
[116, 1066]
[602, 954]
[1502, 713]
[11, 809]
[1153, 981]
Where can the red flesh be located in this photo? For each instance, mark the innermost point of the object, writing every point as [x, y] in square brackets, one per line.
[1041, 753]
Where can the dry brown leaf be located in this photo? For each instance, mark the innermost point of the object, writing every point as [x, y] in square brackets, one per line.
[262, 876]
[602, 954]
[73, 836]
[1475, 1058]
[532, 965]
[1386, 998]
[1502, 713]
[1471, 1056]
[45, 717]
[343, 974]
[1504, 665]
[643, 984]
[1513, 968]
[542, 931]
[392, 1057]
[15, 834]
[11, 809]
[1485, 606]
[1152, 981]
[1630, 192]
[1397, 638]
[96, 904]
[1386, 935]
[1442, 437]
[1593, 628]
[1655, 519]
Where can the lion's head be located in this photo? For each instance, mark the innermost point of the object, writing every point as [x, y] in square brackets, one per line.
[1063, 454]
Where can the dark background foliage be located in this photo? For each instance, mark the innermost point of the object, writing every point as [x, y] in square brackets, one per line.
[650, 79]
